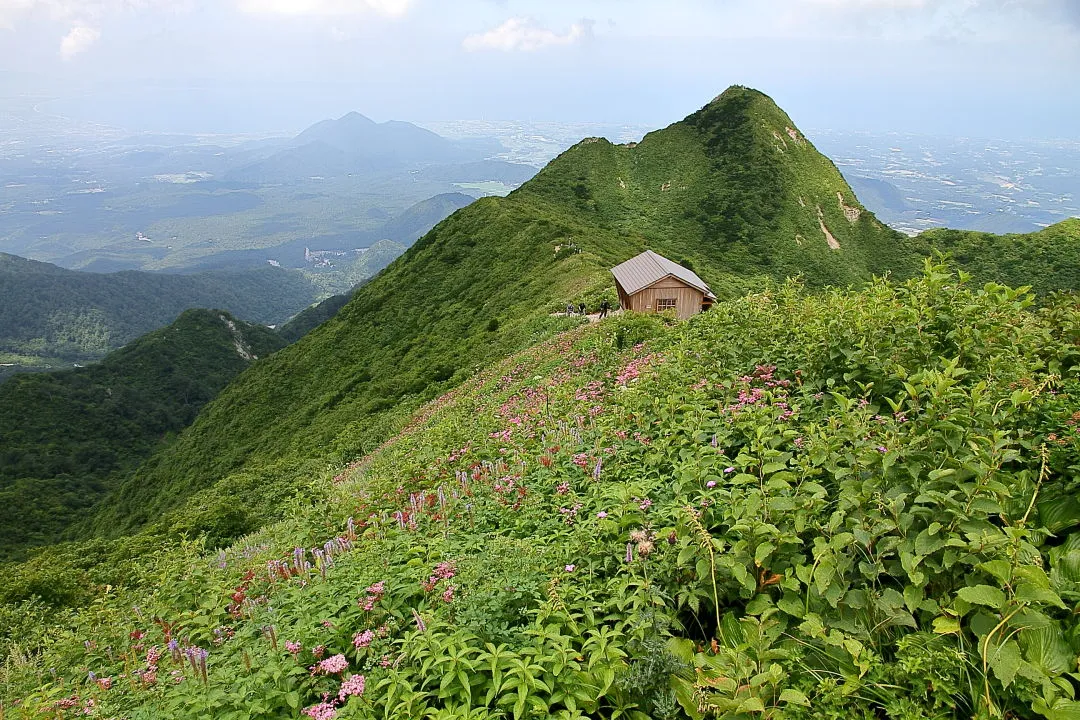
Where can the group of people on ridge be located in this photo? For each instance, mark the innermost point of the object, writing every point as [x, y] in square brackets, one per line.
[605, 306]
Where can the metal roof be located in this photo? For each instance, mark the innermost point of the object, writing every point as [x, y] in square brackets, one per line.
[648, 268]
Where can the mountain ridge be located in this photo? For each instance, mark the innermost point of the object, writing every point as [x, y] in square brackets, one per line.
[425, 322]
[354, 143]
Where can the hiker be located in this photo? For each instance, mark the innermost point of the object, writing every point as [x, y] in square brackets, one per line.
[569, 309]
[582, 308]
[604, 307]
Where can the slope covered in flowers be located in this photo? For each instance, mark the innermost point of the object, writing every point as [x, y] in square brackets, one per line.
[850, 504]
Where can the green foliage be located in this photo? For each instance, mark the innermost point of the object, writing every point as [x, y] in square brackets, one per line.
[848, 503]
[65, 437]
[795, 505]
[1046, 260]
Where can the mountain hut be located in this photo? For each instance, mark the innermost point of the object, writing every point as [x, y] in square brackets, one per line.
[650, 282]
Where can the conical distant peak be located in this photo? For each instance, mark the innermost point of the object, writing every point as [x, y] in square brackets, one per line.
[356, 118]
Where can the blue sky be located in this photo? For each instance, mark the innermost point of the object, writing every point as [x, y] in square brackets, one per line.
[1001, 68]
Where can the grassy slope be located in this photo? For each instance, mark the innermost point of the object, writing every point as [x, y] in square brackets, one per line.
[66, 436]
[427, 320]
[642, 521]
[46, 310]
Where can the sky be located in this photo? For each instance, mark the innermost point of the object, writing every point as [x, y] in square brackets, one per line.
[978, 68]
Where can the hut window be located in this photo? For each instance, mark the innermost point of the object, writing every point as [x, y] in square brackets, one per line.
[663, 304]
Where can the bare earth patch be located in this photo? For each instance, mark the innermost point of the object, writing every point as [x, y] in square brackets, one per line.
[833, 244]
[851, 213]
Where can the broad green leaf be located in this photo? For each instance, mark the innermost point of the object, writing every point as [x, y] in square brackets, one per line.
[927, 543]
[791, 604]
[1005, 661]
[1059, 512]
[1000, 569]
[945, 625]
[794, 696]
[1060, 710]
[749, 705]
[1046, 649]
[982, 595]
[1027, 592]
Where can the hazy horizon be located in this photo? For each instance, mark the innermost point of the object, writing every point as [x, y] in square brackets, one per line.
[975, 68]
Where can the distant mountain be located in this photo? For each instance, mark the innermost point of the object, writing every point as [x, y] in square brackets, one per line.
[354, 144]
[393, 141]
[878, 193]
[47, 312]
[64, 436]
[418, 219]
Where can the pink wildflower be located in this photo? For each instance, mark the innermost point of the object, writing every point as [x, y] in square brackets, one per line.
[710, 484]
[601, 514]
[353, 686]
[293, 647]
[571, 568]
[333, 664]
[322, 711]
[363, 639]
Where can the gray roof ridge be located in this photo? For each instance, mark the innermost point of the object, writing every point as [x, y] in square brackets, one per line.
[636, 274]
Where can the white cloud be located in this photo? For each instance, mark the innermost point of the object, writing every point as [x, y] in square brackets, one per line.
[386, 8]
[523, 34]
[77, 40]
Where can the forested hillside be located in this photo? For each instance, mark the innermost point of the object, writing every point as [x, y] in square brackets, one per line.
[51, 314]
[65, 437]
[1047, 260]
